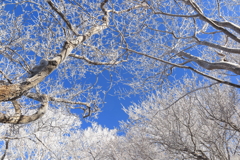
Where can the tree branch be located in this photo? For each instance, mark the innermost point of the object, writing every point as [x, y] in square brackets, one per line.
[62, 16]
[128, 10]
[186, 67]
[87, 109]
[235, 68]
[176, 15]
[112, 62]
[216, 46]
[6, 148]
[14, 91]
[230, 25]
[39, 140]
[210, 21]
[181, 97]
[18, 118]
[230, 123]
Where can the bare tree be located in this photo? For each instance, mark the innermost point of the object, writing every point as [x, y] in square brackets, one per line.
[53, 52]
[203, 124]
[147, 39]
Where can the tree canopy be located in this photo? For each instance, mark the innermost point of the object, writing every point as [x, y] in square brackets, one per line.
[180, 56]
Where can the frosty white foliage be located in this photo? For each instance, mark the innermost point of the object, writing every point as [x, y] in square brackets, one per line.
[195, 124]
[91, 47]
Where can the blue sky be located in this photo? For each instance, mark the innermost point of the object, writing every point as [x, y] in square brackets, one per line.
[112, 111]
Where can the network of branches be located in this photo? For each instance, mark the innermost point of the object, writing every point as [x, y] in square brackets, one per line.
[180, 56]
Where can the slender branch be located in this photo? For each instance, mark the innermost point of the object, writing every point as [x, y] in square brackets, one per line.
[216, 46]
[112, 62]
[210, 21]
[62, 16]
[186, 67]
[87, 109]
[233, 67]
[172, 33]
[45, 145]
[36, 96]
[6, 148]
[14, 91]
[230, 123]
[6, 77]
[168, 14]
[176, 15]
[230, 25]
[130, 9]
[18, 118]
[70, 102]
[194, 90]
[211, 32]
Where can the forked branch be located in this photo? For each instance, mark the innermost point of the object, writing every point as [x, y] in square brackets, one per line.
[18, 118]
[13, 91]
[233, 67]
[186, 67]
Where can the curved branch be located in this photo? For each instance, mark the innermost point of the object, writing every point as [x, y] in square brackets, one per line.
[18, 118]
[235, 68]
[87, 110]
[62, 16]
[210, 21]
[226, 49]
[186, 67]
[230, 25]
[112, 62]
[181, 97]
[14, 91]
[6, 149]
[176, 15]
[129, 9]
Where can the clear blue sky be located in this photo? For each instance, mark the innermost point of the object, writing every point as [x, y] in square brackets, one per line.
[112, 111]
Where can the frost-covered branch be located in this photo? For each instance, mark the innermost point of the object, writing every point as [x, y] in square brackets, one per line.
[87, 109]
[13, 91]
[210, 21]
[112, 62]
[216, 46]
[18, 118]
[230, 25]
[186, 67]
[143, 4]
[6, 149]
[233, 67]
[70, 26]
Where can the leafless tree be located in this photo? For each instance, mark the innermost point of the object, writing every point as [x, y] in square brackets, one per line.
[188, 125]
[53, 52]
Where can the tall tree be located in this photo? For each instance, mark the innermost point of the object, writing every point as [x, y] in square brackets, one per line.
[147, 39]
[188, 121]
[53, 52]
